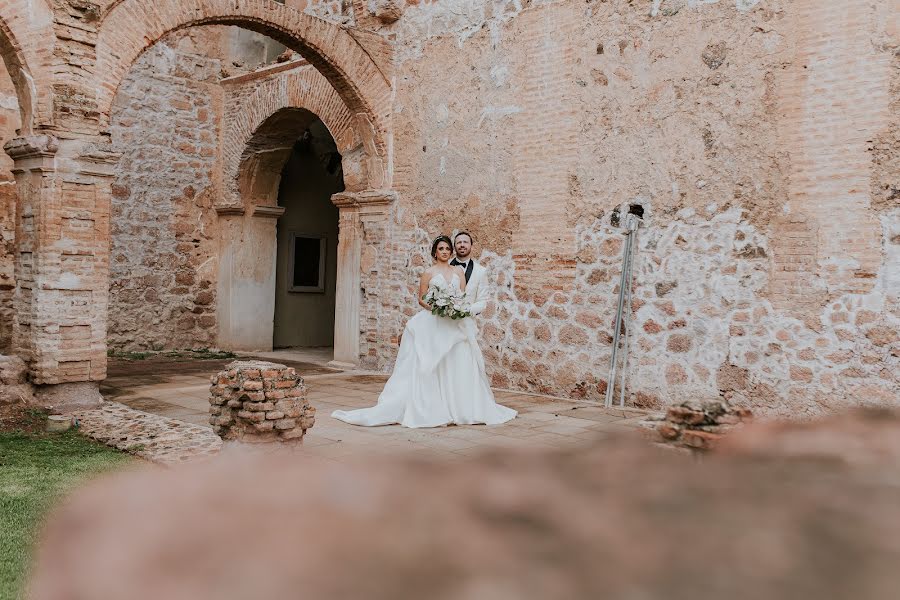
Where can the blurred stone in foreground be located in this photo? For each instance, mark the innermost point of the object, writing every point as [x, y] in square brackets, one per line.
[771, 517]
[699, 425]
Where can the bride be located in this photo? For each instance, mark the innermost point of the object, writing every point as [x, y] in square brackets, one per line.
[439, 376]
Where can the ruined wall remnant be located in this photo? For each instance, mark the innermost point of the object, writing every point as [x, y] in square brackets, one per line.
[535, 127]
[760, 140]
[14, 385]
[763, 273]
[254, 401]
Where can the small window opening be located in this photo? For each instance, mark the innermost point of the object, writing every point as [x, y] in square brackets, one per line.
[306, 266]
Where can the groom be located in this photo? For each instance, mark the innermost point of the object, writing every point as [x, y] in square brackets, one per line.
[476, 275]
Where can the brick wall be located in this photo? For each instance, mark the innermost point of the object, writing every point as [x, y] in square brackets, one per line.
[834, 99]
[9, 122]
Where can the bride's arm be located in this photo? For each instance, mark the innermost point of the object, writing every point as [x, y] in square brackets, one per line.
[423, 289]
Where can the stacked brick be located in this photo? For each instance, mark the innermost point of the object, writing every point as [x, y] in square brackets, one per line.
[256, 401]
[700, 425]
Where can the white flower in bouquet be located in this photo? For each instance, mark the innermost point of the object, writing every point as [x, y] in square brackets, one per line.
[446, 303]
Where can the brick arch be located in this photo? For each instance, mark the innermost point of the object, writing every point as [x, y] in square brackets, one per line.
[259, 172]
[130, 26]
[25, 28]
[303, 88]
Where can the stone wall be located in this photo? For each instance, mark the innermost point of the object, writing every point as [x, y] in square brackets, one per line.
[163, 262]
[338, 11]
[764, 272]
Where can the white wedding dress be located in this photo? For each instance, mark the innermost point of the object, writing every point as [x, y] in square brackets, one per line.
[438, 379]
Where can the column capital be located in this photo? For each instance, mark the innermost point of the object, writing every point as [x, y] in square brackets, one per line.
[37, 150]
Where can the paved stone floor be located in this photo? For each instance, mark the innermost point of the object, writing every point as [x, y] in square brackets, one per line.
[180, 391]
[150, 436]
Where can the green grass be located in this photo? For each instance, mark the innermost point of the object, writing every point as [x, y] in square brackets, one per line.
[197, 354]
[128, 355]
[201, 353]
[35, 472]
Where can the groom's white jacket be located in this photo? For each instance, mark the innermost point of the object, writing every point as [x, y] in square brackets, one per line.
[478, 289]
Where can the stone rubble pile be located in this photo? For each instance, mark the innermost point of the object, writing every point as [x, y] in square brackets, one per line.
[699, 425]
[257, 401]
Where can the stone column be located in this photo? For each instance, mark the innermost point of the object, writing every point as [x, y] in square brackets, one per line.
[356, 208]
[246, 292]
[62, 265]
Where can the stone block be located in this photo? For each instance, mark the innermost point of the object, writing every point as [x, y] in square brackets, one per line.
[702, 440]
[682, 414]
[292, 434]
[251, 416]
[669, 431]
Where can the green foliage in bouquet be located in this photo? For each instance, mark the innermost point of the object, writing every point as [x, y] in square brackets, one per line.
[445, 303]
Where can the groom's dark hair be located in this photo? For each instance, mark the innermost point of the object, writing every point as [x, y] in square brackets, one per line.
[438, 240]
[465, 233]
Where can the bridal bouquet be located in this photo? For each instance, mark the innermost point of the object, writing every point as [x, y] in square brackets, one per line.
[444, 303]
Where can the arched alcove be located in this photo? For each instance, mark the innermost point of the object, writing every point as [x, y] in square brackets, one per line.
[306, 240]
[284, 232]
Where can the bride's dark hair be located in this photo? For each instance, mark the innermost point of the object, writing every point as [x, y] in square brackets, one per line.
[438, 240]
